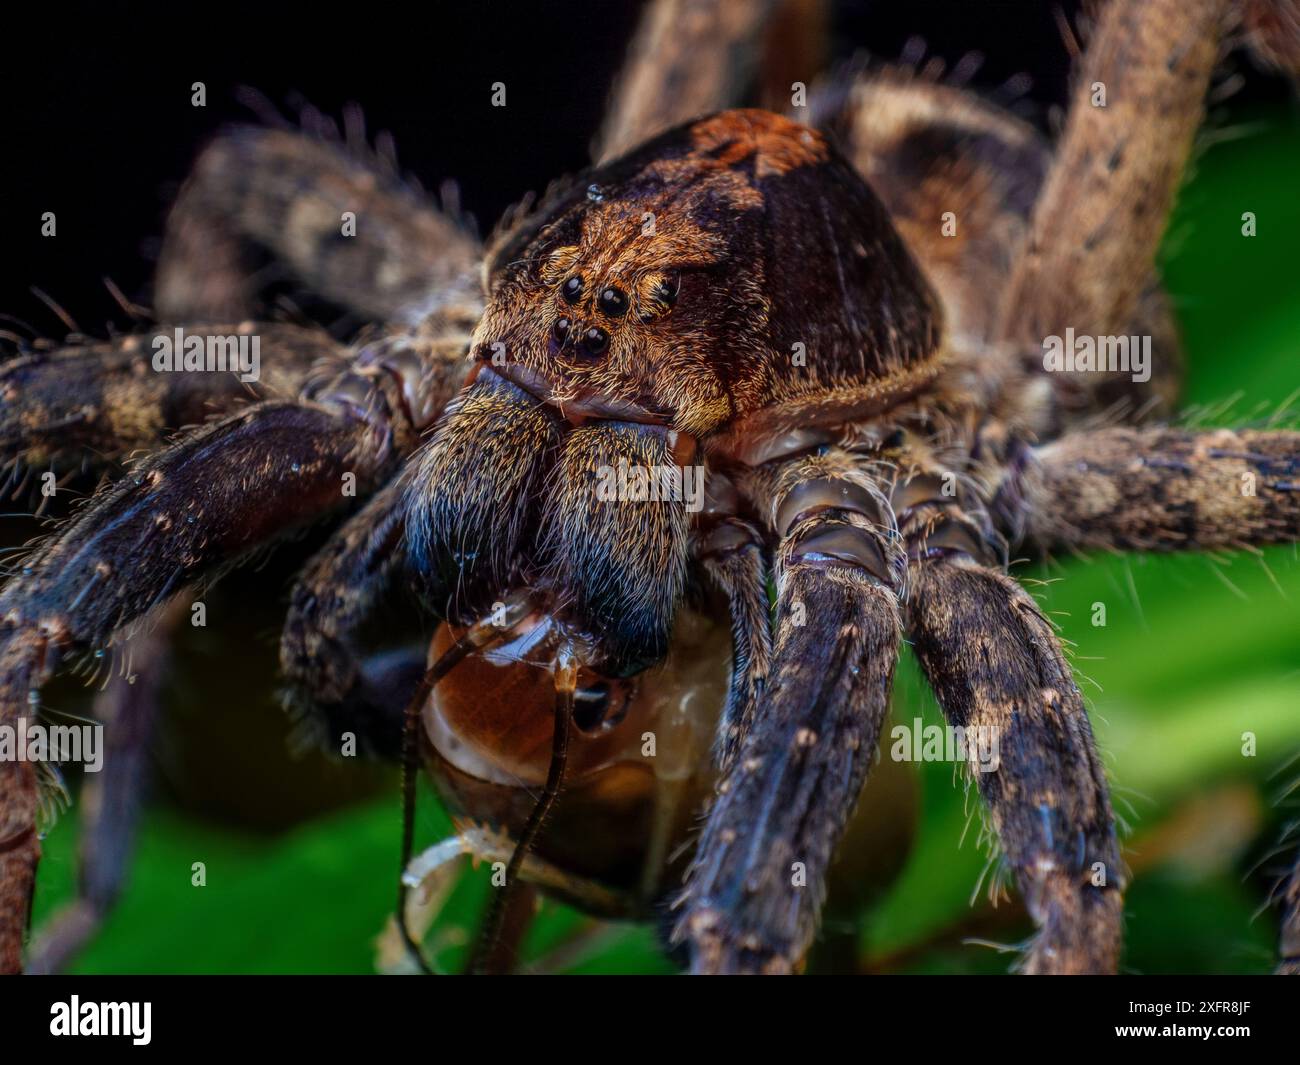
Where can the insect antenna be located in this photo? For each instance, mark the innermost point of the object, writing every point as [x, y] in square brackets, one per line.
[482, 634]
[566, 683]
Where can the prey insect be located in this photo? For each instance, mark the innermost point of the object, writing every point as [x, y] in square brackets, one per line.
[770, 300]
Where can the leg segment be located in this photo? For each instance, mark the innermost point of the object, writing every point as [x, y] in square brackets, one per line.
[186, 512]
[107, 398]
[757, 884]
[334, 595]
[258, 194]
[1099, 218]
[688, 58]
[996, 665]
[1290, 963]
[1164, 489]
[110, 799]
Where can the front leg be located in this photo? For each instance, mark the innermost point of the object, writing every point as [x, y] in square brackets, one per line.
[758, 880]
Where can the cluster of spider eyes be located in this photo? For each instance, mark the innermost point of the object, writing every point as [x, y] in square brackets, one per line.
[611, 302]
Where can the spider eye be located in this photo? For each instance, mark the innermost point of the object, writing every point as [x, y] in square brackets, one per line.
[613, 302]
[561, 330]
[572, 288]
[657, 293]
[594, 341]
[667, 289]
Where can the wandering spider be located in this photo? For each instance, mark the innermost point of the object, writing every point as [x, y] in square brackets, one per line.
[857, 367]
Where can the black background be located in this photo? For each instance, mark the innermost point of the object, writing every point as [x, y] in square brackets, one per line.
[359, 1015]
[96, 122]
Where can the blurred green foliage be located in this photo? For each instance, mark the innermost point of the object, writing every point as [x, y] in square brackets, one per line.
[1195, 652]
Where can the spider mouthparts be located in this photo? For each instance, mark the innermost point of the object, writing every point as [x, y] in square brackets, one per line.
[582, 406]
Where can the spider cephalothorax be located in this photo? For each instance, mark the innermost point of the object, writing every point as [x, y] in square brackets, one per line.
[697, 231]
[709, 391]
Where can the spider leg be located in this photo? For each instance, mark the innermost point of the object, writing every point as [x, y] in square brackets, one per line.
[330, 685]
[691, 57]
[997, 667]
[203, 503]
[67, 404]
[344, 226]
[1290, 961]
[1166, 490]
[1101, 211]
[110, 798]
[757, 882]
[1162, 489]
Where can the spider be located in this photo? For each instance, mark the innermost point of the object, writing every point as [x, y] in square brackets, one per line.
[678, 458]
